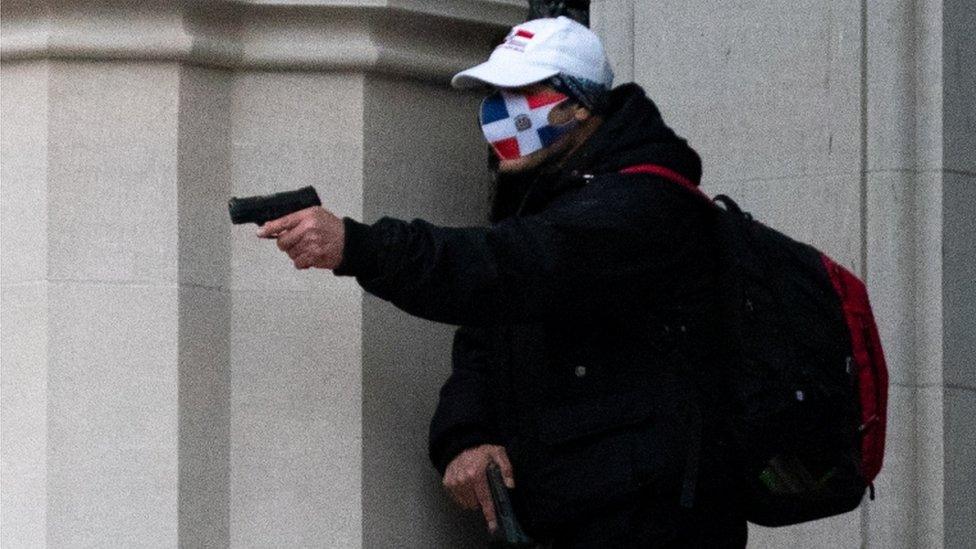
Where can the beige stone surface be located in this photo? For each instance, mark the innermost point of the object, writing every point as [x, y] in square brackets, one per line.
[764, 90]
[203, 183]
[295, 453]
[112, 415]
[379, 36]
[613, 21]
[959, 280]
[24, 411]
[70, 28]
[959, 77]
[112, 171]
[929, 299]
[424, 157]
[891, 517]
[931, 459]
[23, 171]
[960, 466]
[204, 416]
[892, 49]
[929, 84]
[23, 303]
[891, 264]
[203, 263]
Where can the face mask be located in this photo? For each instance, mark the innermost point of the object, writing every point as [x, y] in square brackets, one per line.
[517, 124]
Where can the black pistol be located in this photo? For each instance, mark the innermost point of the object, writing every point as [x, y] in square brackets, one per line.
[509, 533]
[261, 209]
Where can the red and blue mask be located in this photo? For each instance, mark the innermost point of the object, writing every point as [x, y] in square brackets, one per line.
[518, 124]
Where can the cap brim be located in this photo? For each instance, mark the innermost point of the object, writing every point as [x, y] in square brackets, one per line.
[501, 75]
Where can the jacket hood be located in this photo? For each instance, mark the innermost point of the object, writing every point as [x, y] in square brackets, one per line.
[633, 133]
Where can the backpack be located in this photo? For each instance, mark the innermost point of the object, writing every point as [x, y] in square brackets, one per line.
[801, 399]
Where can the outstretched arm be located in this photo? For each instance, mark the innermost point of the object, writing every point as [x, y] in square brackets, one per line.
[599, 246]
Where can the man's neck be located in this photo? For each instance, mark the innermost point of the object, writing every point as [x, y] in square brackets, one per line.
[587, 129]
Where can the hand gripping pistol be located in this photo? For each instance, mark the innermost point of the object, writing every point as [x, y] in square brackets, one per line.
[509, 532]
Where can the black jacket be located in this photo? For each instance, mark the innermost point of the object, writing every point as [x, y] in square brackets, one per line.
[571, 312]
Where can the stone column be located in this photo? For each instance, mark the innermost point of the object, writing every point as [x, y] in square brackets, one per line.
[96, 236]
[958, 171]
[23, 302]
[169, 379]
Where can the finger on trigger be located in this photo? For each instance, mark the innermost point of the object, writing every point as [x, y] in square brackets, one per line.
[276, 226]
[484, 500]
[505, 466]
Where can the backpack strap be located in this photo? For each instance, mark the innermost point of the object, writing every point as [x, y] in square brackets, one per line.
[692, 460]
[669, 174]
[721, 202]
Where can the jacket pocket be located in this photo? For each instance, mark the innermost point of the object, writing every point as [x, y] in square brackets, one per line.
[594, 418]
[581, 459]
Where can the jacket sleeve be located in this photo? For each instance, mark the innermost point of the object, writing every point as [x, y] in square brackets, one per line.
[591, 247]
[465, 415]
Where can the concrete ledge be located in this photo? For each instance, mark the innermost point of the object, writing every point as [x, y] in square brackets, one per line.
[410, 38]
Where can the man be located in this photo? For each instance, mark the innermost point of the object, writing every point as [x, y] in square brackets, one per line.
[584, 309]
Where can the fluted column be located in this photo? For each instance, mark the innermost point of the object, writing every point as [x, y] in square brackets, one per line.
[169, 379]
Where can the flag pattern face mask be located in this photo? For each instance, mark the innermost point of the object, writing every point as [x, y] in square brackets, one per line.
[517, 125]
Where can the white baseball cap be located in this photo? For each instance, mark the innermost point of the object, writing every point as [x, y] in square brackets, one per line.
[537, 50]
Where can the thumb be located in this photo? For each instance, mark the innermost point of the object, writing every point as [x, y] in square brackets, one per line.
[500, 457]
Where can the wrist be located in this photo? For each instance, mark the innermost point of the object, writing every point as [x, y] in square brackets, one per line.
[457, 445]
[359, 251]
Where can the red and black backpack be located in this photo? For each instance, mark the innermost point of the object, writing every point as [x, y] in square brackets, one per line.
[802, 395]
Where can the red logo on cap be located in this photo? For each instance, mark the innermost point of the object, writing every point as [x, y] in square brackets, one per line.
[517, 39]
